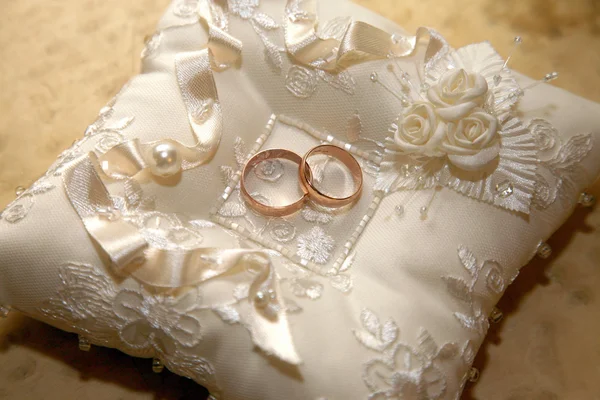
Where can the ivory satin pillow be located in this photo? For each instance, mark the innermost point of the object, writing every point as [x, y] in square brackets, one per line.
[468, 168]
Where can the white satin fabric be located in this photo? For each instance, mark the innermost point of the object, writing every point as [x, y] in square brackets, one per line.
[389, 295]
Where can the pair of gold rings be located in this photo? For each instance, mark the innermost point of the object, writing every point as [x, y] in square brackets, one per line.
[306, 180]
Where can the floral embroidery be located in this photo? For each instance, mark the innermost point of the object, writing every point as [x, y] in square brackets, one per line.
[487, 275]
[152, 45]
[18, 209]
[462, 132]
[302, 82]
[306, 284]
[160, 322]
[282, 231]
[295, 12]
[151, 325]
[160, 230]
[402, 371]
[334, 28]
[106, 136]
[311, 215]
[315, 245]
[262, 24]
[243, 8]
[269, 170]
[559, 164]
[185, 8]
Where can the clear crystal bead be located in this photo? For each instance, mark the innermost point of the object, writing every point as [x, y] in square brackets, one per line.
[425, 87]
[84, 344]
[4, 311]
[157, 366]
[544, 250]
[374, 77]
[505, 189]
[515, 94]
[19, 190]
[423, 211]
[473, 375]
[518, 39]
[497, 79]
[399, 210]
[551, 76]
[496, 316]
[587, 199]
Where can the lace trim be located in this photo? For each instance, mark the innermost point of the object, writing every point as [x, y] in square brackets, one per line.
[401, 371]
[106, 136]
[559, 174]
[486, 277]
[145, 324]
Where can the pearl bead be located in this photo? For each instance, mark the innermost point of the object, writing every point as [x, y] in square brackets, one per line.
[165, 159]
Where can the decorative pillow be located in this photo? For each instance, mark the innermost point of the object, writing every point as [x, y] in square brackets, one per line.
[468, 167]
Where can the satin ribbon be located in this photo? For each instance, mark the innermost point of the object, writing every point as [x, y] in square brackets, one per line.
[199, 94]
[361, 41]
[129, 252]
[131, 255]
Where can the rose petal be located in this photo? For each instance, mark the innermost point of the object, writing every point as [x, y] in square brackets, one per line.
[476, 161]
[477, 90]
[456, 112]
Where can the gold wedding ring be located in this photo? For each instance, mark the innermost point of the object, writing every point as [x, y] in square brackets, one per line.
[343, 156]
[306, 180]
[272, 211]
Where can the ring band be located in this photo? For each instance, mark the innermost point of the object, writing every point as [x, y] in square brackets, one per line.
[272, 211]
[347, 159]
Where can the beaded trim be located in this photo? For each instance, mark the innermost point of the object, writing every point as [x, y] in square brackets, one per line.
[287, 252]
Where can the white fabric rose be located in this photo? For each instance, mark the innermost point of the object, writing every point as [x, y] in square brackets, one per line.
[420, 131]
[473, 141]
[457, 93]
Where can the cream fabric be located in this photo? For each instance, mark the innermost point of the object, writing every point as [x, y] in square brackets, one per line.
[390, 321]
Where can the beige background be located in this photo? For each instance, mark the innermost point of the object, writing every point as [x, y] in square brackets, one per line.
[62, 60]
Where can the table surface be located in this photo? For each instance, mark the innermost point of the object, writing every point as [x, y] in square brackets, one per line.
[62, 60]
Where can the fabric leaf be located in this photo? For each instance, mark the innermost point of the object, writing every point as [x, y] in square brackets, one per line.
[458, 288]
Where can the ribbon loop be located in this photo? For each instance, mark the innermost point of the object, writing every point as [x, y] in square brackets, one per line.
[130, 253]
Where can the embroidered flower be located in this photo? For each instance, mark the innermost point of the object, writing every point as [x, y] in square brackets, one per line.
[315, 245]
[301, 82]
[152, 44]
[419, 131]
[407, 375]
[494, 279]
[457, 93]
[473, 141]
[185, 8]
[402, 371]
[243, 8]
[157, 321]
[88, 302]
